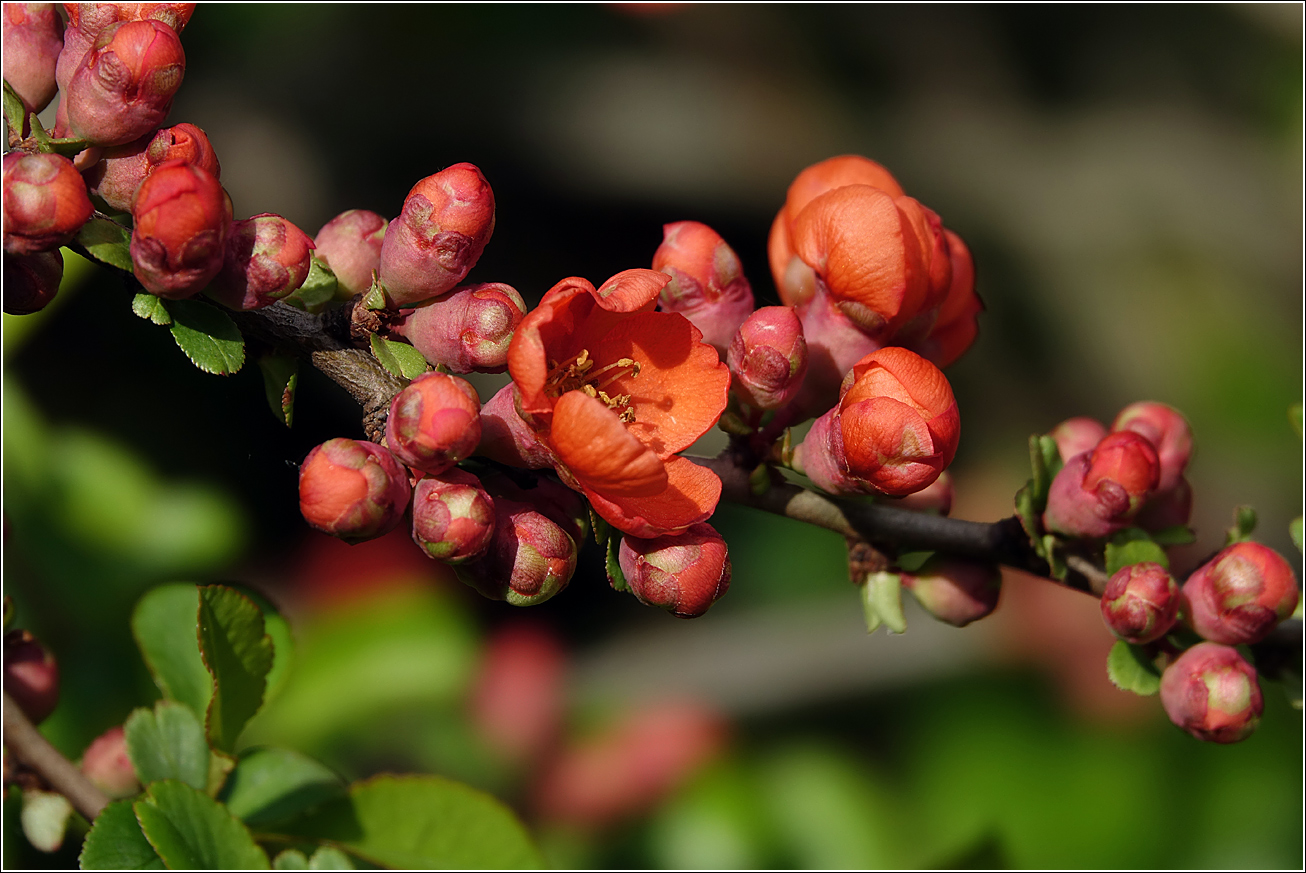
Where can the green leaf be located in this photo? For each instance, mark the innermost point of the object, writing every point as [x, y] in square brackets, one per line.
[910, 562]
[1295, 529]
[108, 242]
[208, 336]
[325, 858]
[1029, 517]
[1295, 415]
[1244, 523]
[290, 859]
[15, 111]
[1178, 535]
[271, 785]
[283, 644]
[1046, 462]
[238, 652]
[1132, 546]
[1130, 669]
[616, 578]
[422, 822]
[115, 842]
[280, 378]
[374, 298]
[882, 602]
[191, 830]
[168, 743]
[598, 526]
[1046, 547]
[148, 306]
[165, 624]
[400, 359]
[318, 291]
[44, 818]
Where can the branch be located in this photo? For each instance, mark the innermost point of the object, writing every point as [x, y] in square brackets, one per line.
[26, 744]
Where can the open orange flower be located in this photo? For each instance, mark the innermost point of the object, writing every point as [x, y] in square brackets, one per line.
[614, 391]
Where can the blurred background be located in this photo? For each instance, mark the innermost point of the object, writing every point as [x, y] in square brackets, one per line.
[1129, 179]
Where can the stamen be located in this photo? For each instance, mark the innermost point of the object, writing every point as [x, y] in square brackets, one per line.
[576, 375]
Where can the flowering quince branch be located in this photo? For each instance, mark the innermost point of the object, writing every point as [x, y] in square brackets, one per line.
[35, 751]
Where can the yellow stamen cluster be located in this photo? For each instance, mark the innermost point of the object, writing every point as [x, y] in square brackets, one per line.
[578, 374]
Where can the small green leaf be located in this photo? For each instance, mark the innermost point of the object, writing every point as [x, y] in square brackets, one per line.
[148, 306]
[1244, 523]
[374, 298]
[220, 766]
[191, 830]
[290, 859]
[66, 146]
[759, 481]
[910, 562]
[1047, 549]
[115, 842]
[168, 743]
[283, 645]
[328, 858]
[1295, 529]
[270, 785]
[44, 818]
[598, 526]
[110, 243]
[318, 291]
[882, 602]
[165, 623]
[400, 359]
[238, 653]
[616, 578]
[208, 336]
[1130, 669]
[15, 111]
[1178, 535]
[280, 378]
[1132, 546]
[1045, 460]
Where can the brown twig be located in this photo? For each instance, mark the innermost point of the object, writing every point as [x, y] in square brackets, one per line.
[25, 743]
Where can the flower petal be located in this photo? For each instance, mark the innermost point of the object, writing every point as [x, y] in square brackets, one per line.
[596, 448]
[631, 290]
[691, 496]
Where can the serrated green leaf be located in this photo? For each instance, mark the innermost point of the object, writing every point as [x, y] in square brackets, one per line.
[1244, 524]
[190, 830]
[115, 842]
[383, 356]
[168, 743]
[400, 359]
[165, 624]
[1047, 460]
[1130, 669]
[108, 242]
[220, 766]
[238, 653]
[1132, 546]
[374, 298]
[15, 111]
[280, 378]
[882, 602]
[270, 785]
[149, 307]
[598, 526]
[318, 291]
[283, 644]
[208, 336]
[612, 549]
[1177, 535]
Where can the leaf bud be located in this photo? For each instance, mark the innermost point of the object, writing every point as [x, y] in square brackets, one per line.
[953, 591]
[1212, 693]
[31, 675]
[683, 573]
[1240, 595]
[266, 258]
[530, 559]
[123, 86]
[1074, 436]
[350, 244]
[1099, 492]
[434, 422]
[31, 281]
[121, 169]
[1140, 603]
[506, 438]
[707, 284]
[467, 330]
[182, 218]
[768, 357]
[352, 489]
[453, 516]
[1167, 430]
[33, 38]
[45, 202]
[107, 764]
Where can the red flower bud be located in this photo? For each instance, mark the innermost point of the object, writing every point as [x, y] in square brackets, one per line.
[1212, 693]
[707, 284]
[768, 357]
[31, 675]
[266, 258]
[123, 86]
[821, 457]
[106, 763]
[467, 330]
[530, 559]
[1140, 603]
[507, 439]
[350, 244]
[1099, 492]
[518, 698]
[182, 218]
[434, 423]
[956, 592]
[1240, 595]
[31, 281]
[446, 221]
[45, 202]
[352, 489]
[453, 517]
[1167, 430]
[115, 178]
[957, 322]
[547, 496]
[33, 38]
[834, 345]
[1074, 436]
[683, 573]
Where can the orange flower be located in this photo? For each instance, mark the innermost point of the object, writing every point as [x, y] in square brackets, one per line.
[614, 391]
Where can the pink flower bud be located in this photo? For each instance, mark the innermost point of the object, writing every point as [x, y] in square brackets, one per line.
[1074, 436]
[123, 86]
[352, 489]
[683, 573]
[1099, 492]
[1140, 603]
[529, 560]
[768, 357]
[467, 330]
[434, 423]
[707, 281]
[350, 244]
[182, 218]
[1167, 508]
[266, 258]
[1240, 595]
[446, 221]
[453, 517]
[31, 281]
[507, 439]
[1212, 693]
[834, 345]
[115, 178]
[31, 675]
[821, 458]
[45, 202]
[106, 763]
[545, 495]
[33, 38]
[1167, 430]
[519, 696]
[956, 592]
[936, 497]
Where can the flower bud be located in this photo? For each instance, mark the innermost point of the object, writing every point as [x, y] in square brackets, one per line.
[519, 696]
[821, 458]
[122, 169]
[834, 345]
[545, 495]
[266, 258]
[33, 38]
[707, 281]
[446, 221]
[123, 87]
[1212, 693]
[31, 675]
[956, 592]
[507, 439]
[1074, 436]
[1099, 492]
[45, 202]
[350, 244]
[31, 281]
[936, 497]
[529, 560]
[1167, 430]
[106, 763]
[956, 323]
[434, 423]
[768, 357]
[182, 218]
[352, 489]
[683, 573]
[453, 517]
[467, 330]
[1140, 603]
[1240, 595]
[1167, 508]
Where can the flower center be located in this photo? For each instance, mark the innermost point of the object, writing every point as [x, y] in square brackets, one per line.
[580, 374]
